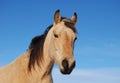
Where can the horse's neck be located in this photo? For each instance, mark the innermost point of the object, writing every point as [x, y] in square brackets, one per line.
[43, 71]
[46, 61]
[45, 67]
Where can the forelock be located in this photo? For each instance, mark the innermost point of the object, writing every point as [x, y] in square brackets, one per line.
[69, 23]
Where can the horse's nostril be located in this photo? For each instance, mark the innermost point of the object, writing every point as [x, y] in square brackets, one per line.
[65, 64]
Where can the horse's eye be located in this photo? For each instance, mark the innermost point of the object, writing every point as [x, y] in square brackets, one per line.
[76, 38]
[55, 35]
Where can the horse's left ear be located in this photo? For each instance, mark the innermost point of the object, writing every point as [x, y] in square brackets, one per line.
[57, 17]
[74, 18]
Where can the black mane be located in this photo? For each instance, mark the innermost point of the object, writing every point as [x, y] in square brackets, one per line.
[36, 48]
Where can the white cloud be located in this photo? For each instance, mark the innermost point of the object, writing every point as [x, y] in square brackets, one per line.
[105, 47]
[108, 75]
[109, 49]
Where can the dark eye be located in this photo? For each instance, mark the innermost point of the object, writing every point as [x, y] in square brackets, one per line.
[55, 35]
[75, 39]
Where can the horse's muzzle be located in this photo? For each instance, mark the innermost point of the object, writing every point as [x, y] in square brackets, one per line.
[67, 68]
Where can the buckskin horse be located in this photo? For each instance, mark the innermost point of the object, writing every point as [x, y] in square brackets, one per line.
[55, 45]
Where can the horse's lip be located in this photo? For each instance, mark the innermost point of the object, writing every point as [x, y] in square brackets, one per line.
[66, 72]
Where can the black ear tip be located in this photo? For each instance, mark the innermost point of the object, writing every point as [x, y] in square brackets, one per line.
[58, 10]
[75, 14]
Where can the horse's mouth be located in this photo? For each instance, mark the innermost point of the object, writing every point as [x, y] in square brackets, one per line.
[66, 71]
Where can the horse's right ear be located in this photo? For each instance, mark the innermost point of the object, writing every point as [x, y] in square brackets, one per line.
[57, 17]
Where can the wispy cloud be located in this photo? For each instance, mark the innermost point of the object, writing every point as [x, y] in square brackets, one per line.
[107, 75]
[111, 48]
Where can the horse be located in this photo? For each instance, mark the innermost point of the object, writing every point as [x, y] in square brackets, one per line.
[54, 46]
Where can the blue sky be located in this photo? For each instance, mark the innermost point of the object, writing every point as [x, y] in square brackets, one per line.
[97, 49]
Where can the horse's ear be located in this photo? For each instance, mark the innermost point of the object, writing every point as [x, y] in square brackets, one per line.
[74, 18]
[57, 17]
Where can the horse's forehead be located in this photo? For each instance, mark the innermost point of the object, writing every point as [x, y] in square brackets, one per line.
[61, 28]
[61, 25]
